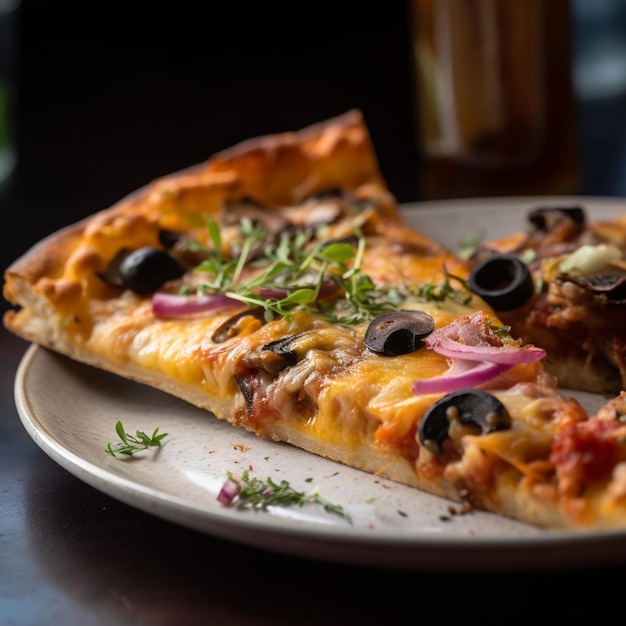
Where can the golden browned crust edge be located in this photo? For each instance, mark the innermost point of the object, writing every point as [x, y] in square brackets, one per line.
[280, 168]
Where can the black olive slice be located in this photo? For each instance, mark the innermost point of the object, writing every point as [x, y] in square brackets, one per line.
[503, 281]
[467, 406]
[545, 217]
[398, 332]
[144, 270]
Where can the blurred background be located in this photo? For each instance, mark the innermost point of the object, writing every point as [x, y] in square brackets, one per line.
[110, 95]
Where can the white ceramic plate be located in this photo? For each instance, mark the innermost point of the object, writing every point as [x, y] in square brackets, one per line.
[70, 410]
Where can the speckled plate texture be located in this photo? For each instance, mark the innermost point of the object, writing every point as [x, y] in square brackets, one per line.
[70, 411]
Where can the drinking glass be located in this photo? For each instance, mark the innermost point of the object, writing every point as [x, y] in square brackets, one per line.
[494, 105]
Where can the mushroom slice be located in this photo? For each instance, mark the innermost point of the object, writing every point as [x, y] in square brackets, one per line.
[316, 211]
[234, 325]
[311, 344]
[277, 355]
[180, 247]
[235, 210]
[547, 218]
[610, 286]
[465, 407]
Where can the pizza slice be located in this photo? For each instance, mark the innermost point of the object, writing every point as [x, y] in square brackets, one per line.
[561, 283]
[279, 287]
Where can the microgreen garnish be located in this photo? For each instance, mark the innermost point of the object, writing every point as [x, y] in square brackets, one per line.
[290, 275]
[132, 444]
[467, 247]
[253, 493]
[440, 291]
[226, 271]
[290, 272]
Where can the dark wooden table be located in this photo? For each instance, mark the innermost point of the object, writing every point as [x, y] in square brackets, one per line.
[101, 114]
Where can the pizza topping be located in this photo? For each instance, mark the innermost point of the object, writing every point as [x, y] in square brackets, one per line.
[547, 218]
[235, 210]
[289, 274]
[398, 332]
[172, 305]
[608, 286]
[586, 451]
[143, 270]
[314, 345]
[475, 353]
[233, 326]
[461, 373]
[466, 407]
[470, 337]
[186, 250]
[554, 230]
[593, 275]
[503, 281]
[169, 238]
[146, 269]
[588, 259]
[276, 355]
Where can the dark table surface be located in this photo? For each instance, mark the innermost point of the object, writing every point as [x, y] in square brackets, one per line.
[109, 100]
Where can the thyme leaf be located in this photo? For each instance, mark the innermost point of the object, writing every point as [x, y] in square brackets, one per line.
[132, 444]
[253, 493]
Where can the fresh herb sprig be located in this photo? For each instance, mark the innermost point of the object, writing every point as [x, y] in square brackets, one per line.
[226, 270]
[290, 272]
[253, 493]
[132, 444]
[443, 290]
[291, 266]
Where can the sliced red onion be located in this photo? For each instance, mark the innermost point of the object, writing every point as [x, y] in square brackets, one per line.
[328, 288]
[177, 305]
[475, 353]
[495, 354]
[228, 492]
[469, 337]
[461, 374]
